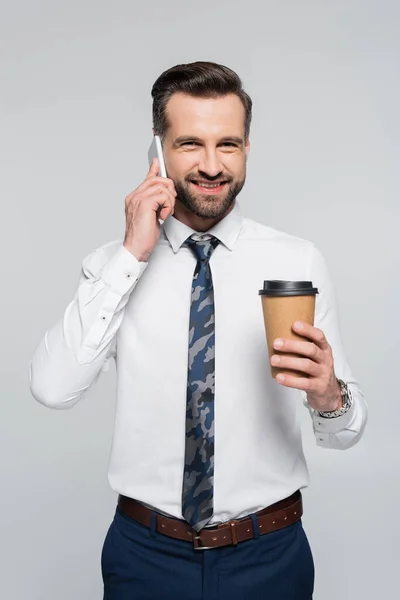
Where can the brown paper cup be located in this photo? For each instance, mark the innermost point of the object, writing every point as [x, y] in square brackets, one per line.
[280, 312]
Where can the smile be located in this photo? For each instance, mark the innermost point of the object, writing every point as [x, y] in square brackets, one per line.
[209, 187]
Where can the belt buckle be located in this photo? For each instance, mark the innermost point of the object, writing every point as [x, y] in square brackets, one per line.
[196, 542]
[232, 525]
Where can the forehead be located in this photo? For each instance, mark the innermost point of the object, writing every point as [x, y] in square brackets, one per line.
[205, 116]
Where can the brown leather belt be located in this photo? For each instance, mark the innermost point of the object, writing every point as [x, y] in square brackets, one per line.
[277, 516]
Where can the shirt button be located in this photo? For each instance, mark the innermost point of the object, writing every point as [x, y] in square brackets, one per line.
[128, 275]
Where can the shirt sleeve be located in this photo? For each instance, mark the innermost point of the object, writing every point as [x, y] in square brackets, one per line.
[345, 431]
[72, 354]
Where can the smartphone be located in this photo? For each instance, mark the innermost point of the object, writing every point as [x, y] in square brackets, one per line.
[155, 151]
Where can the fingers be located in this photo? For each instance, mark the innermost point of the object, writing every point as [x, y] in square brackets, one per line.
[298, 383]
[150, 181]
[158, 193]
[298, 347]
[168, 183]
[163, 199]
[154, 168]
[159, 190]
[311, 332]
[152, 177]
[304, 365]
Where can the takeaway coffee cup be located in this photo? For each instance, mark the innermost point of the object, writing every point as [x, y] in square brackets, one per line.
[283, 303]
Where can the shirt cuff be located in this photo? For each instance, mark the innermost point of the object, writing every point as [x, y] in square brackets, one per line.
[333, 425]
[122, 271]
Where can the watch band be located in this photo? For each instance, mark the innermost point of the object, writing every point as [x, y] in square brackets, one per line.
[347, 402]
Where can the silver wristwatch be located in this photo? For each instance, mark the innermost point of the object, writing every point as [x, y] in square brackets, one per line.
[347, 401]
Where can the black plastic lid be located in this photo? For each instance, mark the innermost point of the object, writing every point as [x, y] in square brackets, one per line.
[277, 287]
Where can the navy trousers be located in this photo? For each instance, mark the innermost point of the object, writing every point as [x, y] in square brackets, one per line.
[140, 564]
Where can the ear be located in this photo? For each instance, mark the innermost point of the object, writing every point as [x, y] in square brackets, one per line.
[247, 147]
[152, 129]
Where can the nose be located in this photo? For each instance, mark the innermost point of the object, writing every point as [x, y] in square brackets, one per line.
[210, 163]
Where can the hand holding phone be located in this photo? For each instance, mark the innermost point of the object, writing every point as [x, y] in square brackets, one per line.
[153, 200]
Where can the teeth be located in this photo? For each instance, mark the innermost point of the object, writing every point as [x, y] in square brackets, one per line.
[209, 185]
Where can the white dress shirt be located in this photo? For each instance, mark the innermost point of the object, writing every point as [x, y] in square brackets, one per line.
[138, 314]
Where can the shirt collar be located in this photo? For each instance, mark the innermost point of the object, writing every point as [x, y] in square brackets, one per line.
[226, 231]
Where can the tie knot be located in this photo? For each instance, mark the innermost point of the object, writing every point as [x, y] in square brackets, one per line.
[202, 248]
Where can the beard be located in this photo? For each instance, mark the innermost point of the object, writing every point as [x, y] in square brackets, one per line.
[208, 206]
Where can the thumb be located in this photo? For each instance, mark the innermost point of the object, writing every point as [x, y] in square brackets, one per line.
[154, 168]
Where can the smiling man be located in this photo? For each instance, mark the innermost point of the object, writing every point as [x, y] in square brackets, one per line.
[207, 455]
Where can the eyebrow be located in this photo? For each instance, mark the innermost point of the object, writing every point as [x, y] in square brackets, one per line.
[192, 138]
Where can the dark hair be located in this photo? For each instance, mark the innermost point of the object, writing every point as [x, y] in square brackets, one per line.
[199, 79]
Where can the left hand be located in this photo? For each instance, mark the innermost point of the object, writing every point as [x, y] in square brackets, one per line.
[322, 386]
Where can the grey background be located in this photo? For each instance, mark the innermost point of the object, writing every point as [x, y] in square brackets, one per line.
[75, 128]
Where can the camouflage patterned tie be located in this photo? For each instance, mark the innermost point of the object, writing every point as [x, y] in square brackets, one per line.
[198, 479]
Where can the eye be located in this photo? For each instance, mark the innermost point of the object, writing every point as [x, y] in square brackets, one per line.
[189, 144]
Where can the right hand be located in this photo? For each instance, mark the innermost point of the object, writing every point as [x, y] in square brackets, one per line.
[153, 199]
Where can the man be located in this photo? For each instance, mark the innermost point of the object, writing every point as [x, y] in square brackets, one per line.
[207, 456]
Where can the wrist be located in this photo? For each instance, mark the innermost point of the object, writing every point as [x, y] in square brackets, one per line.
[344, 404]
[333, 405]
